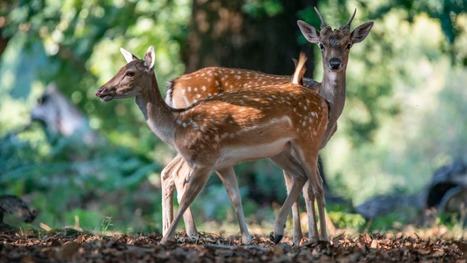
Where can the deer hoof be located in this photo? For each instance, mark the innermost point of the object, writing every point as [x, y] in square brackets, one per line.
[164, 241]
[246, 240]
[277, 238]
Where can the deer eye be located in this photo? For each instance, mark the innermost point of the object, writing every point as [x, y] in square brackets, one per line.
[42, 100]
[129, 74]
[349, 45]
[321, 46]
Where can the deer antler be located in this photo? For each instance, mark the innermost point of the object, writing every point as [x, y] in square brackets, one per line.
[347, 25]
[323, 23]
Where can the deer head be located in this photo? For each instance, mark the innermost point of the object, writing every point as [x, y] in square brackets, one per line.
[129, 81]
[335, 47]
[335, 44]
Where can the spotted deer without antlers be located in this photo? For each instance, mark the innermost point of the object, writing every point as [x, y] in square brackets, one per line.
[283, 122]
[190, 88]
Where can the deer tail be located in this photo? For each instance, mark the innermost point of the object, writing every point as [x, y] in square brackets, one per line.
[300, 69]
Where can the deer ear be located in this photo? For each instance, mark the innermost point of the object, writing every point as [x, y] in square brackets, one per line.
[149, 58]
[360, 33]
[309, 32]
[128, 56]
[51, 87]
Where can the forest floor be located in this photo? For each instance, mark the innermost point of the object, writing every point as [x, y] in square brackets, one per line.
[72, 246]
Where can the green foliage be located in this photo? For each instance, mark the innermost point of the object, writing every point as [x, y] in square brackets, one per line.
[75, 34]
[445, 11]
[393, 221]
[61, 179]
[74, 43]
[346, 220]
[453, 220]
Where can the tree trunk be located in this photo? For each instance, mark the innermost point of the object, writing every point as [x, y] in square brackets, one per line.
[222, 34]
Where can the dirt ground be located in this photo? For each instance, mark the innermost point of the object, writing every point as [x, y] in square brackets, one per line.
[73, 246]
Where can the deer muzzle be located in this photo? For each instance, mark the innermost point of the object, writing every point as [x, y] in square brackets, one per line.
[335, 63]
[105, 94]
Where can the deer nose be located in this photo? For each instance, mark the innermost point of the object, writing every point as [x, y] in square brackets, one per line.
[335, 63]
[100, 92]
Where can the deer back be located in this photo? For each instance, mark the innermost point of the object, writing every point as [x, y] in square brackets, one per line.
[187, 89]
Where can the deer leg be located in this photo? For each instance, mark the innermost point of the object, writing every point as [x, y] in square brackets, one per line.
[316, 188]
[319, 194]
[229, 179]
[314, 191]
[279, 225]
[168, 185]
[295, 181]
[291, 166]
[297, 230]
[311, 211]
[197, 179]
[180, 176]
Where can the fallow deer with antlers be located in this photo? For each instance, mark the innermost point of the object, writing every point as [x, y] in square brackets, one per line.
[283, 122]
[335, 48]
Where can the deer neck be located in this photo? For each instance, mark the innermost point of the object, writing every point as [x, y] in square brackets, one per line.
[158, 115]
[333, 90]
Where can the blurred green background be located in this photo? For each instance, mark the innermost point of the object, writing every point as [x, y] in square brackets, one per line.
[404, 115]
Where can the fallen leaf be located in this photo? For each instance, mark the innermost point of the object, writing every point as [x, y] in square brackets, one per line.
[45, 227]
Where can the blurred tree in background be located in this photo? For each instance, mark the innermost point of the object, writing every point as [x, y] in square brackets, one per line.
[257, 35]
[404, 115]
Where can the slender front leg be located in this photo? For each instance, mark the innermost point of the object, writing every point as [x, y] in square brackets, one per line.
[180, 177]
[229, 179]
[168, 187]
[198, 178]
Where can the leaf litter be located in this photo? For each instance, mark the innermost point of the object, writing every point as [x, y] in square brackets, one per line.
[84, 247]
